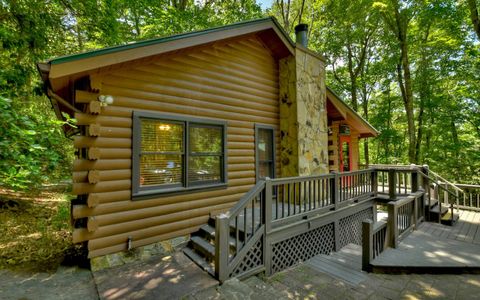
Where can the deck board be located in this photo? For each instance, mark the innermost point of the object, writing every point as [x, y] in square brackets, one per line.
[438, 246]
[345, 264]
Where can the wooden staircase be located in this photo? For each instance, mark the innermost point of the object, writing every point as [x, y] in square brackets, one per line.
[201, 248]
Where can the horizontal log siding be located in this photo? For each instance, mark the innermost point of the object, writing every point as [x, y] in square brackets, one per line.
[236, 81]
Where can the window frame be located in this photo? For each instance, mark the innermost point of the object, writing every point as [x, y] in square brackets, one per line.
[139, 192]
[274, 150]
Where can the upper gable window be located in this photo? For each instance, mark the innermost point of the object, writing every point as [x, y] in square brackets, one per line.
[173, 154]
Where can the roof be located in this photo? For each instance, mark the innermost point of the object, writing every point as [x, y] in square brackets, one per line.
[86, 61]
[339, 110]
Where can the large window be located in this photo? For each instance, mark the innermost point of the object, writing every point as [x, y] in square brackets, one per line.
[173, 154]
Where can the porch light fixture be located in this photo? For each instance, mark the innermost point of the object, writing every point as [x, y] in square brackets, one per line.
[106, 99]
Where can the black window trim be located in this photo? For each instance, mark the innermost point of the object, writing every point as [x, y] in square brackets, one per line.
[257, 160]
[141, 193]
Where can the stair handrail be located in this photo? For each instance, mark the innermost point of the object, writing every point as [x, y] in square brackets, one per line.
[443, 180]
[438, 184]
[245, 199]
[224, 262]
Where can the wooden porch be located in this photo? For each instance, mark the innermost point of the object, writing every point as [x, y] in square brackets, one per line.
[436, 248]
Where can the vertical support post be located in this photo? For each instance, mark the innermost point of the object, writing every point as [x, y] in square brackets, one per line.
[415, 211]
[392, 224]
[335, 189]
[374, 179]
[414, 181]
[267, 247]
[222, 232]
[426, 197]
[392, 194]
[367, 244]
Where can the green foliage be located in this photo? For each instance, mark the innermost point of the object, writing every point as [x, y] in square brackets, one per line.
[30, 148]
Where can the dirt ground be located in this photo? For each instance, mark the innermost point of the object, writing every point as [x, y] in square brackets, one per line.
[36, 234]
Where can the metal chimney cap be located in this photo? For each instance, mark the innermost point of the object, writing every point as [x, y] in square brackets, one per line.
[301, 27]
[301, 34]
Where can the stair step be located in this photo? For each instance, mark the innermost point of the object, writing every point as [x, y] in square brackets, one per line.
[200, 261]
[436, 209]
[203, 246]
[447, 218]
[208, 230]
[433, 202]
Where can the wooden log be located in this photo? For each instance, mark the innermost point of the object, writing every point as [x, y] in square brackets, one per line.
[85, 97]
[94, 107]
[105, 186]
[174, 86]
[240, 152]
[241, 159]
[108, 153]
[241, 167]
[115, 132]
[94, 130]
[86, 119]
[119, 202]
[143, 242]
[139, 99]
[92, 224]
[101, 164]
[104, 231]
[240, 138]
[95, 199]
[241, 174]
[93, 176]
[145, 233]
[101, 142]
[106, 175]
[207, 78]
[93, 153]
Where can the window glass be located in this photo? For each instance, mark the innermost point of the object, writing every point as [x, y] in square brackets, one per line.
[158, 169]
[265, 154]
[205, 153]
[161, 161]
[175, 155]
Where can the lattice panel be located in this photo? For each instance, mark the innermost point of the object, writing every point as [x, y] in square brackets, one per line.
[302, 247]
[253, 259]
[350, 228]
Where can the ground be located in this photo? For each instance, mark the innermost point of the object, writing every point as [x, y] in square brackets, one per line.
[35, 238]
[36, 234]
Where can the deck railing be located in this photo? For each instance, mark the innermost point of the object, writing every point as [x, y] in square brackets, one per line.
[470, 197]
[404, 216]
[274, 203]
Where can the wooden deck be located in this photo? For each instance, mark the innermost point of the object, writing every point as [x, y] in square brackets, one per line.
[436, 248]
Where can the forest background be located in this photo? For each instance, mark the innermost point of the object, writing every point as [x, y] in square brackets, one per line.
[411, 68]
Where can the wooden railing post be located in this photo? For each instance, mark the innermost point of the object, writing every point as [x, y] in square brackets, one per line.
[426, 197]
[392, 224]
[335, 189]
[374, 179]
[392, 184]
[222, 232]
[414, 181]
[267, 249]
[415, 211]
[367, 244]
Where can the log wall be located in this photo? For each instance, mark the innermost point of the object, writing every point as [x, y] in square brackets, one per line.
[235, 81]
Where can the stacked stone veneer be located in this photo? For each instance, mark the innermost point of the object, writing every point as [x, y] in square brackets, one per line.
[303, 115]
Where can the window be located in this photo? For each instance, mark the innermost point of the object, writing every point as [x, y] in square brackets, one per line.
[265, 151]
[173, 154]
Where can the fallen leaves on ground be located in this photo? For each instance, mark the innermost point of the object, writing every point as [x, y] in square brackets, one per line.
[35, 231]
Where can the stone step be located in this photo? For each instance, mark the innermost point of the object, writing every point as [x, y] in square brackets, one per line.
[198, 260]
[204, 247]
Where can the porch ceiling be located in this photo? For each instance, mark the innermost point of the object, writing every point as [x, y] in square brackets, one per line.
[338, 110]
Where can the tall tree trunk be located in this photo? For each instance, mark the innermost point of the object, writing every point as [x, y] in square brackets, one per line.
[472, 6]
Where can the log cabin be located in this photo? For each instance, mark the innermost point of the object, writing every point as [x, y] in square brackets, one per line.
[172, 131]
